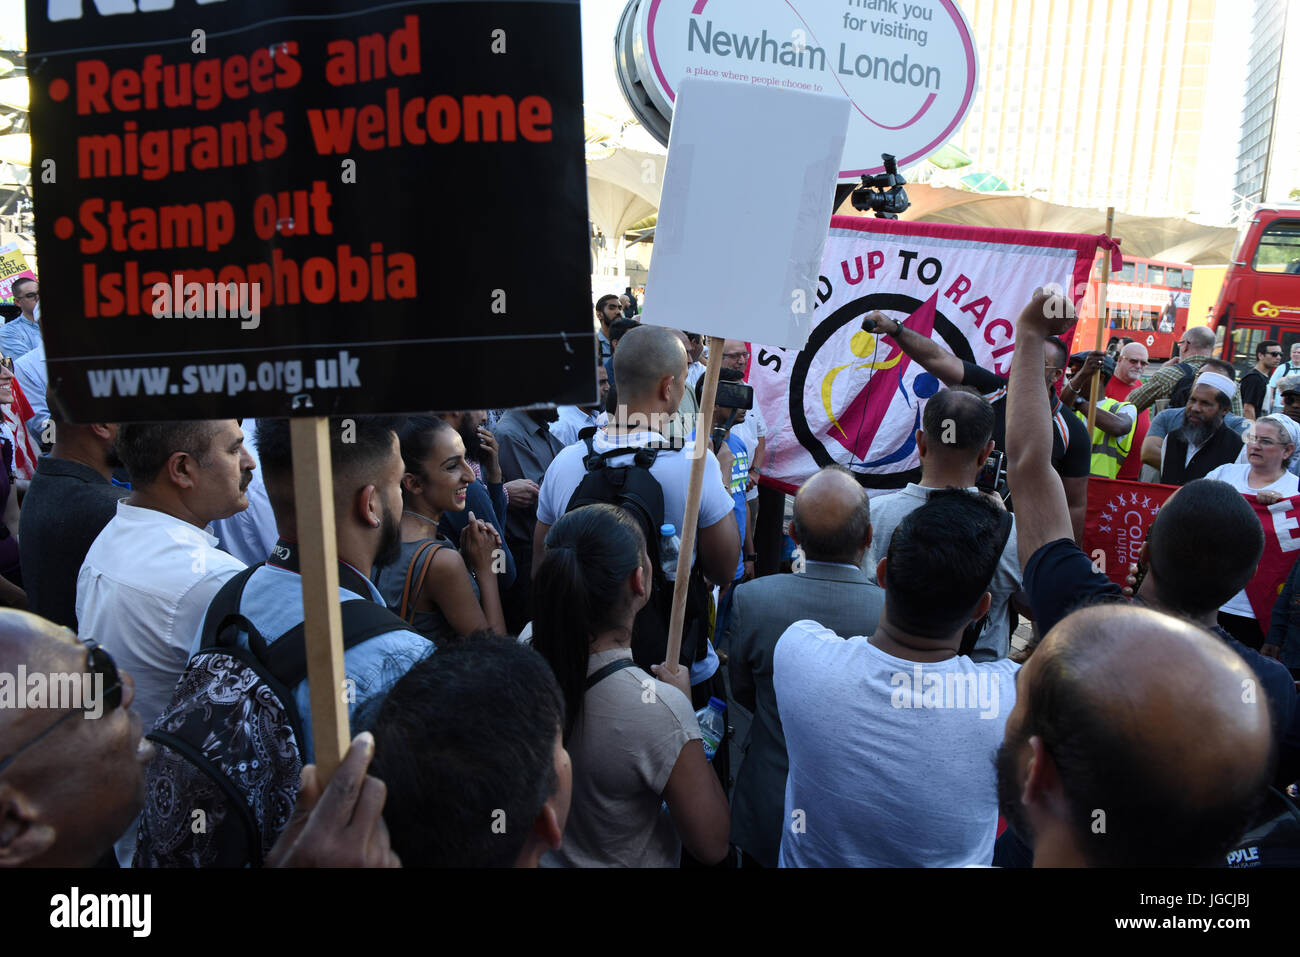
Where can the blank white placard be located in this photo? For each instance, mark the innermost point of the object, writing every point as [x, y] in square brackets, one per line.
[746, 205]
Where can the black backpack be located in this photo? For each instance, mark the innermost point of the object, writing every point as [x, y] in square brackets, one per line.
[224, 779]
[1183, 387]
[633, 488]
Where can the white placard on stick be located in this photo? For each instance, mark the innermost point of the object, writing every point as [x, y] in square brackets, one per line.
[747, 198]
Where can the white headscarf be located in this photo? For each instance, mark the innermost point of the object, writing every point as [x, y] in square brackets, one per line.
[1291, 429]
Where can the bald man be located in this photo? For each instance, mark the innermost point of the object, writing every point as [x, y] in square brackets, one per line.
[72, 765]
[650, 368]
[832, 526]
[1136, 741]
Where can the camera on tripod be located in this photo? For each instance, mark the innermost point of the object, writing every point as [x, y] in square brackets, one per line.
[883, 193]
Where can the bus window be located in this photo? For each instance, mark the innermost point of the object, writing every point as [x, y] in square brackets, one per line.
[1279, 248]
[1174, 277]
[1139, 272]
[1244, 341]
[1126, 274]
[1156, 275]
[1187, 278]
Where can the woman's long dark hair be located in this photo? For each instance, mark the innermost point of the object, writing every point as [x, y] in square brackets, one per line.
[590, 552]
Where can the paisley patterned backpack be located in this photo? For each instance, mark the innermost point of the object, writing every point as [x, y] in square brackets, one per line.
[224, 778]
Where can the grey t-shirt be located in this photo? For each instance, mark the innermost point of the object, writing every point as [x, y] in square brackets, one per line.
[628, 737]
[890, 760]
[888, 512]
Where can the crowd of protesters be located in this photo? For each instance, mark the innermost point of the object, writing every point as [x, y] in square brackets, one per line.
[505, 582]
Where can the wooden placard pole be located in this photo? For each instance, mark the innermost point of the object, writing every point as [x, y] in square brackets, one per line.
[1101, 320]
[313, 489]
[703, 432]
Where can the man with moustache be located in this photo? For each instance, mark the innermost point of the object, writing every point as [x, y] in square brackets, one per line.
[71, 499]
[1202, 443]
[150, 574]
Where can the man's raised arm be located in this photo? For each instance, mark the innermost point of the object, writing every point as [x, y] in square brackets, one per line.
[1042, 512]
[943, 365]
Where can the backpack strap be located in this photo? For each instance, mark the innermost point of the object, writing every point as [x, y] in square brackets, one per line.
[286, 657]
[429, 546]
[225, 605]
[598, 676]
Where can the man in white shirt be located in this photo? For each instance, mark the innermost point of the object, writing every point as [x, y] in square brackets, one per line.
[150, 575]
[890, 737]
[650, 375]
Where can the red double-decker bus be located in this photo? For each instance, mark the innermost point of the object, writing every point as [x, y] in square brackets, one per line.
[1146, 301]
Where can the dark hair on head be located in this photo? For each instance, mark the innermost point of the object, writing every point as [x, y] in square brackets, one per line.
[958, 418]
[1221, 366]
[941, 559]
[416, 436]
[611, 400]
[145, 447]
[843, 542]
[359, 447]
[1264, 346]
[618, 327]
[1199, 563]
[600, 303]
[577, 591]
[21, 279]
[466, 733]
[1062, 353]
[1149, 821]
[724, 375]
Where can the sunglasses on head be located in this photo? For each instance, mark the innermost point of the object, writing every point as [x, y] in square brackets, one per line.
[99, 663]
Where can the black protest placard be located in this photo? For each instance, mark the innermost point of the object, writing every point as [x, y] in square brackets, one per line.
[266, 207]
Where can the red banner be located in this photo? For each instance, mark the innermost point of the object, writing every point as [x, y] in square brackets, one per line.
[1281, 523]
[1119, 514]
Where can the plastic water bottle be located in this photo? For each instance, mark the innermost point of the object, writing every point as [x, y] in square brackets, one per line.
[713, 725]
[670, 546]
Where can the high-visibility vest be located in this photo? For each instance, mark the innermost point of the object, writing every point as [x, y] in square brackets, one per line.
[1109, 451]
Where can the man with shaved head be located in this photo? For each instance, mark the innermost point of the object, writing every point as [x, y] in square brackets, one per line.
[888, 737]
[832, 526]
[954, 442]
[650, 368]
[72, 772]
[1202, 548]
[1130, 365]
[1112, 758]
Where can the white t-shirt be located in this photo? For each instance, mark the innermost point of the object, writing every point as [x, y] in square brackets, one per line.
[890, 760]
[1235, 474]
[672, 470]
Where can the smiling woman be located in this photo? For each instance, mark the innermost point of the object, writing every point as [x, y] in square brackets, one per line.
[444, 593]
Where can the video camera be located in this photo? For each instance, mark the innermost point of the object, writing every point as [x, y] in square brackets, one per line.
[883, 193]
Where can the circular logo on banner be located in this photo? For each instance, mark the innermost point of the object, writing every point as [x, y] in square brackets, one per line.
[857, 393]
[907, 67]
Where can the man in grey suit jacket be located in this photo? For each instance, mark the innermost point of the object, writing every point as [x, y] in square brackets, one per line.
[832, 527]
